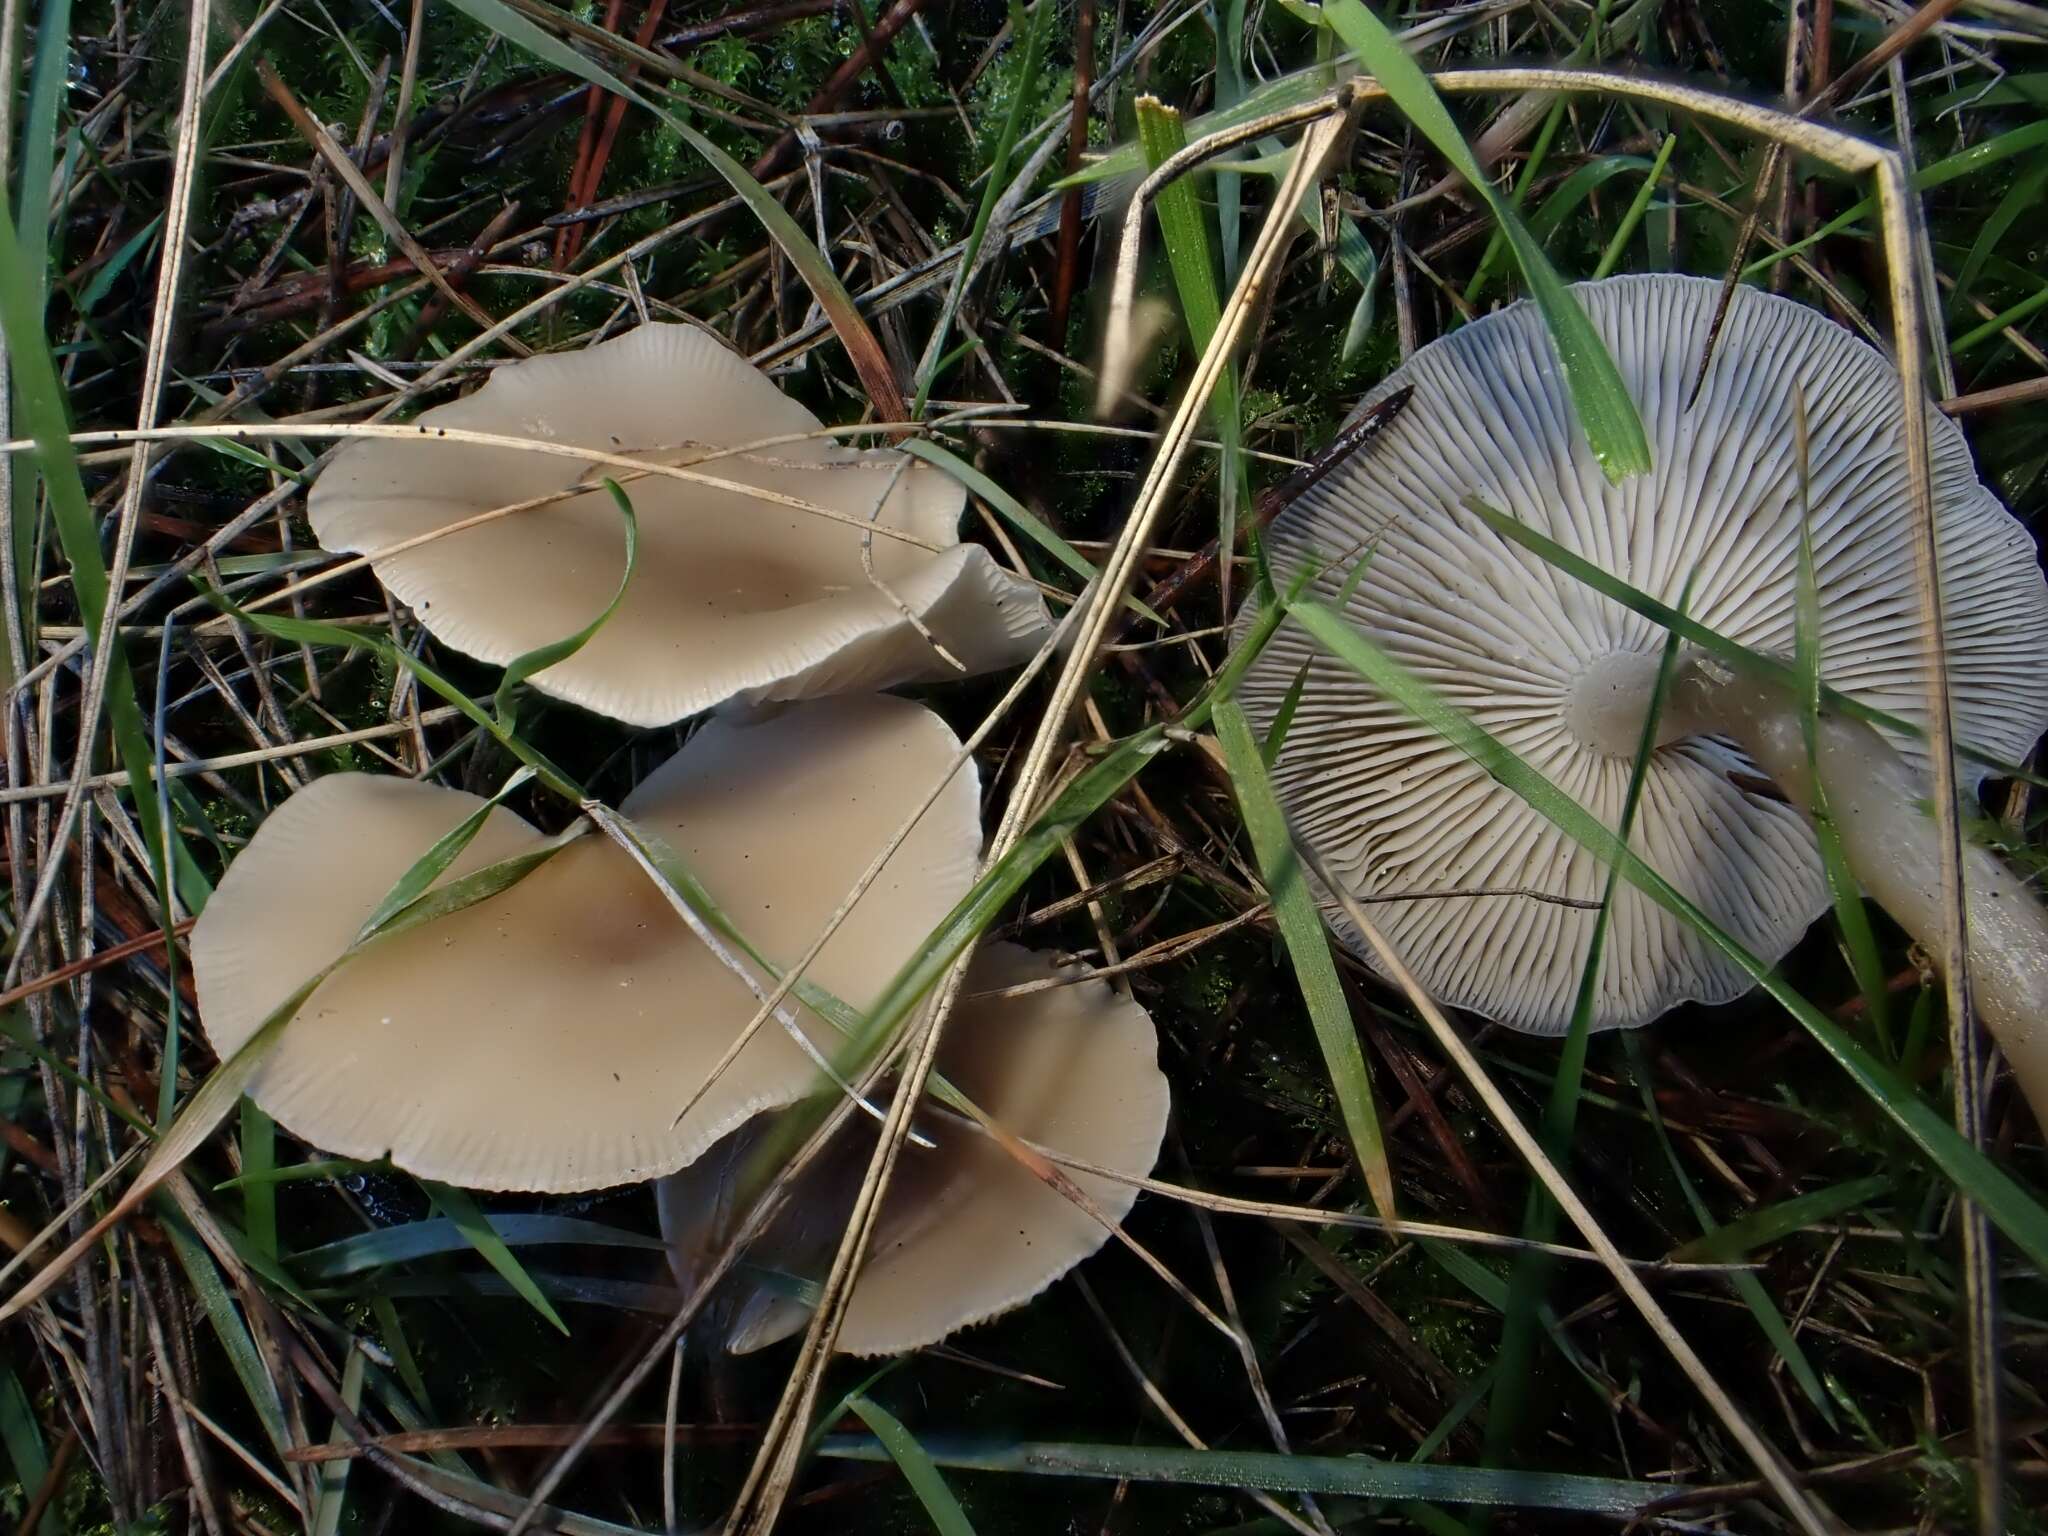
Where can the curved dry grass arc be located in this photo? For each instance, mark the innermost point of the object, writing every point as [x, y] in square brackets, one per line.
[1905, 261]
[760, 1499]
[1530, 652]
[1853, 154]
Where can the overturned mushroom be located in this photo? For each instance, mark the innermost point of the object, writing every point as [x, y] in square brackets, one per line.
[966, 1232]
[547, 1038]
[742, 590]
[1462, 872]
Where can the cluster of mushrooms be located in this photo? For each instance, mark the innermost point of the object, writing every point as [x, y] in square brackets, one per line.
[547, 1038]
[560, 1035]
[1489, 903]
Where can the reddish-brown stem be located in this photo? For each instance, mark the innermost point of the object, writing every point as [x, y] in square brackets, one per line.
[1070, 205]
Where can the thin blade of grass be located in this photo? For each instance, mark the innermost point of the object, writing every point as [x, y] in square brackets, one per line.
[1747, 1286]
[259, 1167]
[994, 185]
[334, 1475]
[1013, 511]
[39, 400]
[208, 1109]
[918, 1469]
[22, 1436]
[1360, 1476]
[469, 1220]
[1760, 1228]
[1606, 414]
[1712, 641]
[865, 352]
[1625, 231]
[1850, 915]
[2016, 1212]
[1308, 948]
[1977, 157]
[540, 658]
[109, 274]
[1184, 231]
[231, 1329]
[1530, 1278]
[437, 1235]
[433, 864]
[313, 632]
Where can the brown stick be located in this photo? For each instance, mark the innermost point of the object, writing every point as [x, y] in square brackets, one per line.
[122, 951]
[891, 21]
[1077, 143]
[512, 1437]
[615, 114]
[586, 146]
[458, 269]
[53, 1480]
[1200, 566]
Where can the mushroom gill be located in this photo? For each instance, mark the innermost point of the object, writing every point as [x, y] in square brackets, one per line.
[1564, 676]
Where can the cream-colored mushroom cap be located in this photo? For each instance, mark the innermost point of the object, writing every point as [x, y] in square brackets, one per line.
[1559, 672]
[548, 1038]
[965, 1232]
[733, 597]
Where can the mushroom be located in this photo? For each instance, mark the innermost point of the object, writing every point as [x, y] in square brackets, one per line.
[547, 1038]
[965, 1232]
[734, 597]
[1465, 873]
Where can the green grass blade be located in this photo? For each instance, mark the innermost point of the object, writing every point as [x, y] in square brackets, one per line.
[1033, 31]
[1976, 158]
[259, 1168]
[414, 1413]
[231, 1328]
[2018, 1214]
[296, 1173]
[47, 84]
[334, 1475]
[433, 864]
[918, 1469]
[476, 1229]
[1012, 511]
[1184, 230]
[103, 280]
[39, 401]
[1308, 947]
[1760, 1228]
[1276, 95]
[1579, 568]
[437, 1235]
[1625, 232]
[2028, 193]
[1529, 1280]
[1851, 917]
[1359, 1476]
[1745, 1285]
[23, 1438]
[313, 632]
[853, 332]
[1606, 413]
[1569, 195]
[1283, 718]
[505, 705]
[2025, 309]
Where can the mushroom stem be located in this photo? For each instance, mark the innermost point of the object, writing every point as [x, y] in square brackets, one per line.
[1879, 805]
